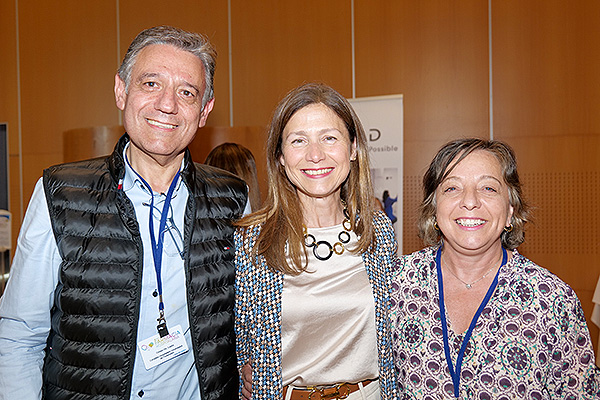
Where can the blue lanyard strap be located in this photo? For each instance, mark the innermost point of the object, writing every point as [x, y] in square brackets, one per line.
[157, 245]
[455, 373]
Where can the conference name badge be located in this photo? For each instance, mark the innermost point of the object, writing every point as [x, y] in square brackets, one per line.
[157, 350]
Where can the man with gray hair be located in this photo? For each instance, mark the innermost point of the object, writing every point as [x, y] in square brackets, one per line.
[122, 281]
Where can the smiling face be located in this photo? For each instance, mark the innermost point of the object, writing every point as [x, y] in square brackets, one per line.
[162, 108]
[316, 152]
[473, 205]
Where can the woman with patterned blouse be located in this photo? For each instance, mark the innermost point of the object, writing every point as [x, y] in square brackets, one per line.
[473, 318]
[314, 264]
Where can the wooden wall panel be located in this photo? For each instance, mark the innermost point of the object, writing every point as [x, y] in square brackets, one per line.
[280, 45]
[545, 85]
[546, 68]
[203, 16]
[546, 95]
[9, 105]
[67, 76]
[84, 143]
[8, 71]
[435, 54]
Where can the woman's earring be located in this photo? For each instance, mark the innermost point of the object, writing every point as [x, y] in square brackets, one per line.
[435, 226]
[508, 228]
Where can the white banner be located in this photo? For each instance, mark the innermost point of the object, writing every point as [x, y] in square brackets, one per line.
[382, 118]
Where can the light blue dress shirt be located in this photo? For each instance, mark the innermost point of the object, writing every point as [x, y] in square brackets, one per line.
[25, 306]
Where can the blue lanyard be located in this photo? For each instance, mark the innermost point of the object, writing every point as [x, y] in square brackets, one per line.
[455, 373]
[157, 245]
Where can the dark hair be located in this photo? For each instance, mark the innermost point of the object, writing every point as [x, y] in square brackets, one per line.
[281, 216]
[442, 165]
[238, 160]
[194, 43]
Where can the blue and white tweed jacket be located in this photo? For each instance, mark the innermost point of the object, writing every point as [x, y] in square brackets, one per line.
[258, 310]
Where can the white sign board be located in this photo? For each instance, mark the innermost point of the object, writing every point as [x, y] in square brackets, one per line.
[382, 118]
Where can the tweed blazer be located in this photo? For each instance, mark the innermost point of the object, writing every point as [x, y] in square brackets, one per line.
[258, 310]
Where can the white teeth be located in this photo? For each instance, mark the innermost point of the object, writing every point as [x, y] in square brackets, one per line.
[317, 171]
[470, 222]
[161, 125]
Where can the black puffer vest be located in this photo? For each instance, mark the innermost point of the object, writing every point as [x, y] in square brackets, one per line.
[92, 342]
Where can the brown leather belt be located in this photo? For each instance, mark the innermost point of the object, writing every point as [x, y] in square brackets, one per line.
[339, 391]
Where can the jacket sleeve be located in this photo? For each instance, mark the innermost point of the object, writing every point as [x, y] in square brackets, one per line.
[25, 306]
[387, 244]
[242, 265]
[386, 259]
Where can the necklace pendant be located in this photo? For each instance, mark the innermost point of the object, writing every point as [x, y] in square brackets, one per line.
[337, 248]
[468, 286]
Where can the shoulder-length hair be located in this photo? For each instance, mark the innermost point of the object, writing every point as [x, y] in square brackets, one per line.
[281, 216]
[442, 165]
[239, 160]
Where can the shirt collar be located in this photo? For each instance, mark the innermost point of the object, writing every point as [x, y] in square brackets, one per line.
[131, 179]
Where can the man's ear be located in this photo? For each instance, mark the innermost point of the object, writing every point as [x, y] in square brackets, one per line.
[120, 92]
[207, 109]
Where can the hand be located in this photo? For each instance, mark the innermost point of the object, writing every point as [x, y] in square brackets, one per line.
[247, 381]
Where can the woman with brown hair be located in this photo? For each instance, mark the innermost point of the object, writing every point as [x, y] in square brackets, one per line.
[474, 319]
[314, 264]
[238, 160]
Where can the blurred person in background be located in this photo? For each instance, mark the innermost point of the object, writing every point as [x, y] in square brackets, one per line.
[238, 160]
[388, 203]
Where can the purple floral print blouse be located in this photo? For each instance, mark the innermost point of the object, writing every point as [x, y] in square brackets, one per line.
[530, 342]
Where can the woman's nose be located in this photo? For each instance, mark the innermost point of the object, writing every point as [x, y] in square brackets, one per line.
[470, 198]
[315, 152]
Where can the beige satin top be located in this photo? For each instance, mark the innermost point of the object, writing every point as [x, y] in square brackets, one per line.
[328, 331]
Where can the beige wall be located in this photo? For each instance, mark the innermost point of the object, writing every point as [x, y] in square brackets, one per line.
[544, 89]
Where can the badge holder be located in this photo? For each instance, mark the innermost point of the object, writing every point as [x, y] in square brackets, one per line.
[162, 325]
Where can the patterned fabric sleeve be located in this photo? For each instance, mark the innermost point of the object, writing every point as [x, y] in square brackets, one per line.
[242, 265]
[573, 374]
[395, 295]
[380, 265]
[385, 237]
